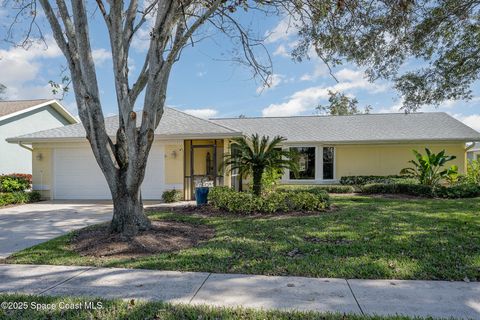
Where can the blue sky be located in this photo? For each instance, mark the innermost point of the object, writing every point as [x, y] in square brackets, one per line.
[205, 83]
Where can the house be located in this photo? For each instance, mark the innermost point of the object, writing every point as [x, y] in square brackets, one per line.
[22, 117]
[473, 151]
[188, 150]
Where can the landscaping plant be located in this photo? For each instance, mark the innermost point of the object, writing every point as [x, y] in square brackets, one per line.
[428, 168]
[254, 155]
[473, 172]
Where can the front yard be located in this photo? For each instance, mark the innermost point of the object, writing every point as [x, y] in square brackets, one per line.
[362, 237]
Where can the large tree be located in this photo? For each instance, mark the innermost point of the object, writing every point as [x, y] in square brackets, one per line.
[431, 49]
[172, 24]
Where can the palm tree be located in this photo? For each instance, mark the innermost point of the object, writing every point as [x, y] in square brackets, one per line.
[251, 156]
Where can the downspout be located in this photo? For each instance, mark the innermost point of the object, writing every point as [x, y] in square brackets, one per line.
[470, 147]
[24, 146]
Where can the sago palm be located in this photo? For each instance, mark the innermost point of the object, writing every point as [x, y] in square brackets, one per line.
[251, 156]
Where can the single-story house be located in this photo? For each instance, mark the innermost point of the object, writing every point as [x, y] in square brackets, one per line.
[21, 117]
[473, 151]
[188, 150]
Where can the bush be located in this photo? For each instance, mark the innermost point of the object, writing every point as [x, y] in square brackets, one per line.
[473, 172]
[170, 196]
[451, 192]
[362, 180]
[13, 184]
[332, 188]
[398, 188]
[18, 197]
[245, 202]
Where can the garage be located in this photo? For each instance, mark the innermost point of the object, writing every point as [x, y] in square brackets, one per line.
[76, 175]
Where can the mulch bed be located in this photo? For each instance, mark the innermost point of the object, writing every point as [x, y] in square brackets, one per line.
[164, 236]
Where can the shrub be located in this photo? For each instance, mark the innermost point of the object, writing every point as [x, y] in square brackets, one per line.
[245, 202]
[452, 192]
[473, 172]
[13, 184]
[170, 196]
[362, 180]
[25, 176]
[398, 188]
[332, 188]
[18, 197]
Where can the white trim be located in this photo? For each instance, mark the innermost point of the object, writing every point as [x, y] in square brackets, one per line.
[53, 175]
[318, 166]
[54, 103]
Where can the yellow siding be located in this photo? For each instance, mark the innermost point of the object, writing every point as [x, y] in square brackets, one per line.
[388, 159]
[174, 164]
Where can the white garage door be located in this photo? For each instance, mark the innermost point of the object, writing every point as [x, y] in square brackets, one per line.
[78, 176]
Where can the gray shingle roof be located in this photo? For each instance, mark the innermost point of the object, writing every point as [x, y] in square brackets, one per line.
[358, 128]
[173, 123]
[9, 107]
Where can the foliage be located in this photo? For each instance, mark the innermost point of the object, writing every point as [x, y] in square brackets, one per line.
[280, 201]
[420, 190]
[11, 183]
[170, 196]
[330, 188]
[3, 89]
[428, 168]
[473, 172]
[144, 310]
[362, 180]
[252, 156]
[18, 197]
[341, 105]
[380, 36]
[270, 179]
[363, 238]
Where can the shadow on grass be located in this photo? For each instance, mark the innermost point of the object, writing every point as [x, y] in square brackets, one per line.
[365, 238]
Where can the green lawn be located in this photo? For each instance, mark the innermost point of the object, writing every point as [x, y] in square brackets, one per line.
[363, 238]
[117, 309]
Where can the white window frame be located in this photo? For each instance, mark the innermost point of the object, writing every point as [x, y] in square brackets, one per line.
[318, 166]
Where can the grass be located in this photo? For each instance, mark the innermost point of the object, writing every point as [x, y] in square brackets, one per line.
[118, 309]
[365, 237]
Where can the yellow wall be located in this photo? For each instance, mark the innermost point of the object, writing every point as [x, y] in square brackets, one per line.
[174, 163]
[389, 159]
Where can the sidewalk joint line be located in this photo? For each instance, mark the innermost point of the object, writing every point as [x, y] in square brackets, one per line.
[68, 279]
[354, 297]
[201, 286]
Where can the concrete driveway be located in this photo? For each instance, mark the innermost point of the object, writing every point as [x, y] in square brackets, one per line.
[27, 225]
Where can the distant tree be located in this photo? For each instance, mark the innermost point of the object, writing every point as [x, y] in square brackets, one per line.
[242, 116]
[341, 105]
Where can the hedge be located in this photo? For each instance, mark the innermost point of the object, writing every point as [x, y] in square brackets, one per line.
[170, 196]
[363, 180]
[330, 188]
[18, 197]
[457, 191]
[227, 199]
[10, 183]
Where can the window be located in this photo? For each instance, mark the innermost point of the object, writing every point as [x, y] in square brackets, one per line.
[306, 163]
[328, 158]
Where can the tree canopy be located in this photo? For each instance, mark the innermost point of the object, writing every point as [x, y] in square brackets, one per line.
[341, 105]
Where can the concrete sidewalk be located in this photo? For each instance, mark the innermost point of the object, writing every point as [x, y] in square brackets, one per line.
[415, 298]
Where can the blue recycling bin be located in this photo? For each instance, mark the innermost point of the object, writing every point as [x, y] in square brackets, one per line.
[201, 195]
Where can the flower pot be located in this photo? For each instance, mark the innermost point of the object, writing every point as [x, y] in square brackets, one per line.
[201, 195]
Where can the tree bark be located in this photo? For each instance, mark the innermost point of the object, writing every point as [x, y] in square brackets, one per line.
[257, 181]
[128, 213]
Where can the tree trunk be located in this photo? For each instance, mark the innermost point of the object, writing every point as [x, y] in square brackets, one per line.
[128, 214]
[257, 181]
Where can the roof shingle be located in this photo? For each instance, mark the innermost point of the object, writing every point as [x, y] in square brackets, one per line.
[12, 106]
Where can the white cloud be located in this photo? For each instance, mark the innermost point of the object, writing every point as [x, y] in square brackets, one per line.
[282, 31]
[473, 120]
[100, 56]
[20, 67]
[281, 51]
[202, 113]
[319, 70]
[273, 81]
[308, 99]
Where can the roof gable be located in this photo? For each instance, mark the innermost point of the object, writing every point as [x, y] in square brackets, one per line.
[12, 108]
[174, 123]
